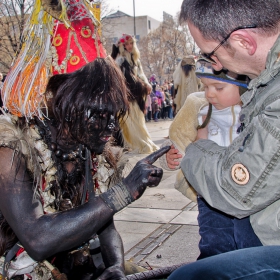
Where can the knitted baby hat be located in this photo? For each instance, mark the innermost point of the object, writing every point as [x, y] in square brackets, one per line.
[203, 69]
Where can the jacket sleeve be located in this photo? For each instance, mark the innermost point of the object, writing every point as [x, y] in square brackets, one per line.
[243, 178]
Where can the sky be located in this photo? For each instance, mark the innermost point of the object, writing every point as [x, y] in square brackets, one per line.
[152, 8]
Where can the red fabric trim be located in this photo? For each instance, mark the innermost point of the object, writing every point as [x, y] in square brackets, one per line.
[19, 251]
[87, 44]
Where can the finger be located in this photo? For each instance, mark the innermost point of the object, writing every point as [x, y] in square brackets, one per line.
[173, 161]
[175, 156]
[150, 159]
[173, 165]
[172, 152]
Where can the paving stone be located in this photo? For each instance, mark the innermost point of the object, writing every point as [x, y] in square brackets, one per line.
[195, 208]
[190, 206]
[150, 248]
[139, 258]
[145, 215]
[158, 232]
[173, 228]
[132, 253]
[144, 243]
[186, 218]
[162, 238]
[181, 247]
[166, 226]
[134, 232]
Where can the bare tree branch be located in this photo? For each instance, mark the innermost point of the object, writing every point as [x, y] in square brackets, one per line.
[162, 49]
[13, 15]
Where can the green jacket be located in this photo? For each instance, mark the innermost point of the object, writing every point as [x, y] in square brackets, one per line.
[244, 178]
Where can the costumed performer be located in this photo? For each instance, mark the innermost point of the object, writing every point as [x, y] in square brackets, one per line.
[51, 133]
[185, 81]
[133, 127]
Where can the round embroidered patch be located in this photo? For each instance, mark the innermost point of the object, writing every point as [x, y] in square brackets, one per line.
[240, 174]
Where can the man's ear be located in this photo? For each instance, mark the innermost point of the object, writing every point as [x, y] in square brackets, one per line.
[243, 39]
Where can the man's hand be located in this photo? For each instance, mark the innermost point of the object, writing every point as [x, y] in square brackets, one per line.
[172, 157]
[145, 174]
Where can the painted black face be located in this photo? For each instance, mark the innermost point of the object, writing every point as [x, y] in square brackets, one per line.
[98, 128]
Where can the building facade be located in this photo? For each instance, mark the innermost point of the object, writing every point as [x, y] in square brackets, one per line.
[118, 23]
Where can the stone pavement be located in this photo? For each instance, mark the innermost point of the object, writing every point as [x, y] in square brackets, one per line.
[160, 229]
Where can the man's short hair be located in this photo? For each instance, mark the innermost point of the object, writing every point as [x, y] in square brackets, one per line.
[215, 19]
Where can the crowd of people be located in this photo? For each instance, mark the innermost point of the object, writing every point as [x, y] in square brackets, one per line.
[1, 86]
[159, 102]
[60, 126]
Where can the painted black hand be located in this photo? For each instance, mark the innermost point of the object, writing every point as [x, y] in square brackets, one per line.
[145, 174]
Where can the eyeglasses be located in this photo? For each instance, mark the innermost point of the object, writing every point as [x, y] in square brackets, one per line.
[207, 56]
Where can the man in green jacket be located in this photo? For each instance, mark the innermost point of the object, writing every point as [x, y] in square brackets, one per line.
[243, 179]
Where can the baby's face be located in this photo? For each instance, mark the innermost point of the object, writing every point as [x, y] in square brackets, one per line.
[221, 94]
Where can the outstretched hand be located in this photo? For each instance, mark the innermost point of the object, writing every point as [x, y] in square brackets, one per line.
[145, 174]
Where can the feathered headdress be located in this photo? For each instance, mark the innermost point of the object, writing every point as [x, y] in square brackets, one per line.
[25, 84]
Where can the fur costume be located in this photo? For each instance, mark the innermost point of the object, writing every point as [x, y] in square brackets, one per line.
[26, 140]
[185, 84]
[134, 130]
[182, 132]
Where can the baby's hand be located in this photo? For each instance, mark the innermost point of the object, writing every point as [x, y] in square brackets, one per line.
[172, 157]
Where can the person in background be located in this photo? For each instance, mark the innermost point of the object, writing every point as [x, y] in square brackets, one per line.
[148, 108]
[1, 86]
[161, 96]
[153, 79]
[155, 104]
[185, 81]
[1, 80]
[171, 89]
[133, 127]
[168, 113]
